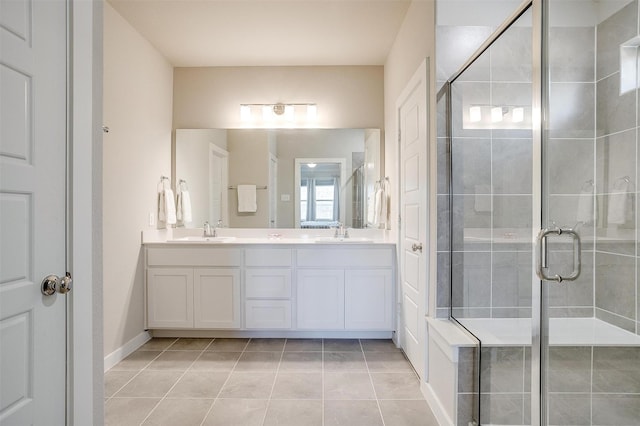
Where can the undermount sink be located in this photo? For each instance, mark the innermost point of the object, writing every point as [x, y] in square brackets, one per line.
[342, 240]
[202, 239]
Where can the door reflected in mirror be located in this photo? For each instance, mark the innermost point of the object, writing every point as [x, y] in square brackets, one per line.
[214, 162]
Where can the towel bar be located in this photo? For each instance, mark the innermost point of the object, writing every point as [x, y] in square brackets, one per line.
[257, 187]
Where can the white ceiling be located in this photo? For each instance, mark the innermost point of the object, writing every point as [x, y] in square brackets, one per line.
[192, 33]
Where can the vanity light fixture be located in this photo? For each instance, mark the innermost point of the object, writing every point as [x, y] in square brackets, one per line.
[505, 114]
[279, 112]
[311, 165]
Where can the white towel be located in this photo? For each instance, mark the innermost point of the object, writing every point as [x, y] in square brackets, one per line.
[585, 211]
[387, 200]
[183, 210]
[618, 205]
[371, 207]
[379, 208]
[482, 199]
[162, 214]
[169, 207]
[247, 199]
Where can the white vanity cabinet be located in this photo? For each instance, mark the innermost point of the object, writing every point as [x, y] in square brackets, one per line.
[359, 295]
[293, 288]
[197, 288]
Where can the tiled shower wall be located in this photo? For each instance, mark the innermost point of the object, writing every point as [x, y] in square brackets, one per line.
[588, 385]
[617, 296]
[586, 143]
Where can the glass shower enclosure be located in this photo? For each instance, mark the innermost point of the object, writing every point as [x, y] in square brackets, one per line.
[542, 133]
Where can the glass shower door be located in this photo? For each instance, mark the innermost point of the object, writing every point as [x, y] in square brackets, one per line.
[491, 223]
[588, 259]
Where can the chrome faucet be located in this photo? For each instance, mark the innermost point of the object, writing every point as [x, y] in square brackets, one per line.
[341, 231]
[208, 231]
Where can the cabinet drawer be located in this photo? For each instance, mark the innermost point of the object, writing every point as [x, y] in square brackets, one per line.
[345, 257]
[268, 314]
[193, 256]
[268, 283]
[267, 257]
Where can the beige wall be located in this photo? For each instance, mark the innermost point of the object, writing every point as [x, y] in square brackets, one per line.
[415, 41]
[347, 96]
[249, 164]
[138, 88]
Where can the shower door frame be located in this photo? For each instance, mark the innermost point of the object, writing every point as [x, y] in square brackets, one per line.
[539, 104]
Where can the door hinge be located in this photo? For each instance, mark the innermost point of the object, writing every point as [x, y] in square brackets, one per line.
[399, 135]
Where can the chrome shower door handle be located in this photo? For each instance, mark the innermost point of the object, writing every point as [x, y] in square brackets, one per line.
[541, 261]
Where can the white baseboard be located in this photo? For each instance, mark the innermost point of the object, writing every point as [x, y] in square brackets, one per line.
[437, 408]
[124, 351]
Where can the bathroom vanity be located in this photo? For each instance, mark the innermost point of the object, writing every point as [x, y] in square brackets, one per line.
[301, 285]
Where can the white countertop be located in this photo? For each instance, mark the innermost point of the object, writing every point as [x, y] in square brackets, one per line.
[238, 236]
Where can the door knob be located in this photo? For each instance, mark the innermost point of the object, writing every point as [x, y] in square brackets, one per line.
[53, 283]
[417, 247]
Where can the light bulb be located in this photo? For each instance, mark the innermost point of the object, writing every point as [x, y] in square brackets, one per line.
[312, 112]
[267, 112]
[475, 114]
[517, 115]
[245, 112]
[289, 112]
[496, 114]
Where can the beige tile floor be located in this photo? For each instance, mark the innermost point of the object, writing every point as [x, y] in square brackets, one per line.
[297, 382]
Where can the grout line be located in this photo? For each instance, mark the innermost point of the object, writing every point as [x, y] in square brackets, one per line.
[225, 382]
[139, 370]
[273, 386]
[175, 383]
[375, 394]
[322, 378]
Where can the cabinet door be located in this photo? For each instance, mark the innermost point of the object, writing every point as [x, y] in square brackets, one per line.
[320, 299]
[369, 299]
[170, 297]
[217, 298]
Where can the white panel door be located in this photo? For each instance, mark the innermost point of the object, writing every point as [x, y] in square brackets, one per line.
[413, 246]
[320, 299]
[368, 299]
[170, 297]
[273, 191]
[218, 189]
[216, 298]
[32, 211]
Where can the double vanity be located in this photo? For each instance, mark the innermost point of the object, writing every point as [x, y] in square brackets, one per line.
[269, 283]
